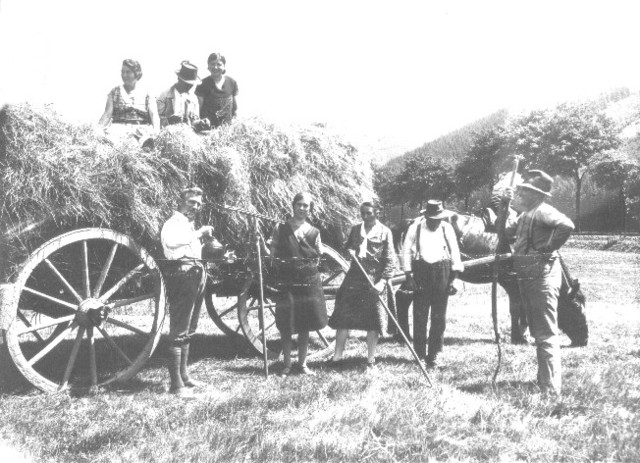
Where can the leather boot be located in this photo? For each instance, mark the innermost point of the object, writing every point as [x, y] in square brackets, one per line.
[177, 385]
[187, 381]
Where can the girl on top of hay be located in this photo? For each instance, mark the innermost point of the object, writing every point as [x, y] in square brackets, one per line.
[357, 304]
[300, 305]
[130, 110]
[218, 93]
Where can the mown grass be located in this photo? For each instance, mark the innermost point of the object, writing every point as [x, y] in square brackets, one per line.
[347, 414]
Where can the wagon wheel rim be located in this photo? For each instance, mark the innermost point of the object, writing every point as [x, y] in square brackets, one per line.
[107, 312]
[333, 267]
[223, 308]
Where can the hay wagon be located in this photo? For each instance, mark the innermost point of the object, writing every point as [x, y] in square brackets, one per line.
[86, 306]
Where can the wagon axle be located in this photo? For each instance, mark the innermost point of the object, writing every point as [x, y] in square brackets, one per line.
[92, 312]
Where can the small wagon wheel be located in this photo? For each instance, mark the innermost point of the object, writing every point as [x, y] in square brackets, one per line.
[89, 306]
[221, 300]
[333, 268]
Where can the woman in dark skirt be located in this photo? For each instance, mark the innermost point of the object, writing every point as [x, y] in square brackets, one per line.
[357, 304]
[300, 304]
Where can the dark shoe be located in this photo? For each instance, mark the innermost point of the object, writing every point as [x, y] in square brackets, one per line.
[433, 362]
[286, 371]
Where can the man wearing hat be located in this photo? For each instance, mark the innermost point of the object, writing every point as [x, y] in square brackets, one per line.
[539, 232]
[179, 104]
[431, 252]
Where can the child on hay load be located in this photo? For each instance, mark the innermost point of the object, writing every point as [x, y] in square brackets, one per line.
[130, 110]
[300, 304]
[218, 93]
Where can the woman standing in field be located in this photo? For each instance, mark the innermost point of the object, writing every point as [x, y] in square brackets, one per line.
[130, 109]
[300, 305]
[217, 93]
[358, 306]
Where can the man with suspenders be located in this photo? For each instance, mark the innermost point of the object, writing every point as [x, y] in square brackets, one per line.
[431, 252]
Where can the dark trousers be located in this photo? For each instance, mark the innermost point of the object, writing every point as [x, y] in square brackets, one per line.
[185, 292]
[432, 293]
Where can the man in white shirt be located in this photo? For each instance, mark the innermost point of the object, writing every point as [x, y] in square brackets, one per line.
[185, 278]
[431, 251]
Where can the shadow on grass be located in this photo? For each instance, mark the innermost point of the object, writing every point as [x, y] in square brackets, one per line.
[485, 387]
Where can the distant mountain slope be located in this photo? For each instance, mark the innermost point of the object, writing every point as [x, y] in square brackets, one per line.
[454, 145]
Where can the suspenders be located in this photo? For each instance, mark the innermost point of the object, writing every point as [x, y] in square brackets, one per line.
[446, 240]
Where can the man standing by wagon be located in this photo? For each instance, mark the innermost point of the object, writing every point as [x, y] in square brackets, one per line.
[186, 277]
[539, 232]
[431, 251]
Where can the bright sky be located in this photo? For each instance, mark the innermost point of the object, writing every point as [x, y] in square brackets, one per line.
[404, 70]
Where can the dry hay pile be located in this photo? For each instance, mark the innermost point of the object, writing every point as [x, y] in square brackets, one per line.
[55, 170]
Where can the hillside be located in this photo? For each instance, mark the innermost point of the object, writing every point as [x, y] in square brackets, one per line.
[454, 145]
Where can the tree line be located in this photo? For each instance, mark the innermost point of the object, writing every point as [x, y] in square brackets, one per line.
[573, 141]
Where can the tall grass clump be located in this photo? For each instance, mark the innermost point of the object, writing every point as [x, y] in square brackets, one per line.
[69, 175]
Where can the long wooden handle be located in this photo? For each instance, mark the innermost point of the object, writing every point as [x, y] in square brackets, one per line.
[386, 308]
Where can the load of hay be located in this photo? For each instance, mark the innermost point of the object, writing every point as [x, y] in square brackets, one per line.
[69, 175]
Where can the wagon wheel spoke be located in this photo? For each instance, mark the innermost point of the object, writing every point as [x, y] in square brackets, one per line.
[114, 345]
[49, 347]
[105, 297]
[260, 332]
[127, 326]
[72, 358]
[130, 301]
[105, 270]
[229, 310]
[331, 278]
[93, 370]
[63, 280]
[29, 327]
[86, 283]
[34, 328]
[51, 298]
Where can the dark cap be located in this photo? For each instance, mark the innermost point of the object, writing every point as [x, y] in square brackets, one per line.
[434, 210]
[538, 181]
[188, 73]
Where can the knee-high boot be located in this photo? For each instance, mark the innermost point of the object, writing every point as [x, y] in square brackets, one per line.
[174, 369]
[184, 373]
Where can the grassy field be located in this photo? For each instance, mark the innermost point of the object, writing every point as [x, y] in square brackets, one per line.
[349, 414]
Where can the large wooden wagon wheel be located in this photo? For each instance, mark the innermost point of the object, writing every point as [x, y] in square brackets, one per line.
[221, 300]
[89, 306]
[333, 268]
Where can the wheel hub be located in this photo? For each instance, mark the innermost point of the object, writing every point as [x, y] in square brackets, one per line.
[92, 312]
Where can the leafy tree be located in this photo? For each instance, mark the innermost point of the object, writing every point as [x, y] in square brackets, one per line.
[564, 141]
[425, 178]
[386, 184]
[479, 168]
[618, 170]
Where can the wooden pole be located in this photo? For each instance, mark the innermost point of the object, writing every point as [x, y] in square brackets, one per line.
[502, 219]
[261, 310]
[386, 308]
